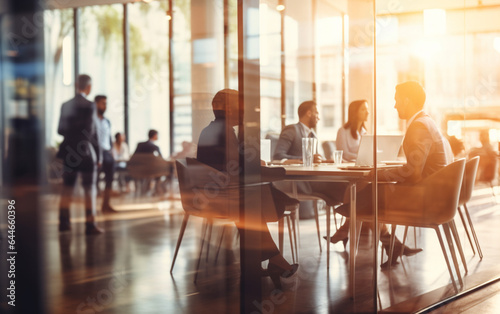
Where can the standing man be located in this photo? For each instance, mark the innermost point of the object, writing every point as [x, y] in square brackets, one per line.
[105, 143]
[80, 153]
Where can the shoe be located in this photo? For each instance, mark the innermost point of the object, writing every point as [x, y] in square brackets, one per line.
[398, 246]
[108, 209]
[276, 272]
[337, 239]
[92, 229]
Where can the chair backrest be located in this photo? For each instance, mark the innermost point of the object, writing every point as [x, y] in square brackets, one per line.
[143, 165]
[433, 201]
[328, 148]
[442, 190]
[205, 191]
[468, 180]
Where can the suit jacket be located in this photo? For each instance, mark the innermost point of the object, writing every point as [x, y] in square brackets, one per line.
[147, 148]
[80, 147]
[289, 144]
[425, 150]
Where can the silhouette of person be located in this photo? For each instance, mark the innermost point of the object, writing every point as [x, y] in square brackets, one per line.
[80, 153]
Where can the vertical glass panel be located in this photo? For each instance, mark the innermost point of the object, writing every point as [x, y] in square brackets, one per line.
[270, 67]
[59, 68]
[101, 56]
[182, 55]
[148, 73]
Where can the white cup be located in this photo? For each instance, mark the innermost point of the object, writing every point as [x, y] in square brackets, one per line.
[308, 150]
[337, 156]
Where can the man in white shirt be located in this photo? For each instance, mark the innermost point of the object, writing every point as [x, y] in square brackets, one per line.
[105, 143]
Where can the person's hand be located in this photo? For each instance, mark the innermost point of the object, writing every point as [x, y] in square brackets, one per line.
[317, 158]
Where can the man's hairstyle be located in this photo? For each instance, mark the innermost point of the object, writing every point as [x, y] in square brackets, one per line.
[152, 133]
[83, 81]
[221, 101]
[117, 136]
[414, 91]
[305, 107]
[99, 98]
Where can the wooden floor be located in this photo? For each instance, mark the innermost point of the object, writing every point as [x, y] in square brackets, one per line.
[126, 270]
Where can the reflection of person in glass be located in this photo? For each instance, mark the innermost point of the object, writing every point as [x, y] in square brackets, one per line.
[349, 136]
[425, 150]
[218, 141]
[80, 153]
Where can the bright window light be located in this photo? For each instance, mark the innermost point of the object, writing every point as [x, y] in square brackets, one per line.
[67, 53]
[434, 22]
[496, 44]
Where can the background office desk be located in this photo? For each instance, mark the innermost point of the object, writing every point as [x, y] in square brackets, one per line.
[325, 173]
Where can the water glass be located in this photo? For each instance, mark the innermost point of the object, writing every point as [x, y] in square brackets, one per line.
[337, 156]
[308, 150]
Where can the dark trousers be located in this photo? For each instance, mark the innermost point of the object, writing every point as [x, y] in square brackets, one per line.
[89, 188]
[108, 167]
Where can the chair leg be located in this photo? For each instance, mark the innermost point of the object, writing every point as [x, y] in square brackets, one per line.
[290, 236]
[454, 232]
[473, 232]
[281, 227]
[359, 225]
[446, 229]
[220, 244]
[179, 239]
[209, 225]
[206, 223]
[295, 227]
[316, 217]
[334, 217]
[466, 229]
[404, 241]
[391, 245]
[443, 249]
[328, 212]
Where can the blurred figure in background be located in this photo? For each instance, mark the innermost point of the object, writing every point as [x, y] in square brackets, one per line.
[81, 153]
[487, 169]
[106, 143]
[121, 154]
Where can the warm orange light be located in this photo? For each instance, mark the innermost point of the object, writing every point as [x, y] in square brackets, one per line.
[496, 43]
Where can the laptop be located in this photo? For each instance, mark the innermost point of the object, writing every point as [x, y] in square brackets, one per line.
[387, 151]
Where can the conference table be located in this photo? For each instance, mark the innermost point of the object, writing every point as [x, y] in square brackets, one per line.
[326, 173]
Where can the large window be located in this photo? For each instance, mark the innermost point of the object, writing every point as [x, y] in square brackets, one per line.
[101, 56]
[148, 75]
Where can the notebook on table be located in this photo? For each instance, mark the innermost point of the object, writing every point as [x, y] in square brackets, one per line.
[387, 152]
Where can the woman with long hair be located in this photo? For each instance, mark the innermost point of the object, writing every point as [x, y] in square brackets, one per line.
[349, 136]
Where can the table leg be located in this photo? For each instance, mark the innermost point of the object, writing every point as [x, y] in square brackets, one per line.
[353, 240]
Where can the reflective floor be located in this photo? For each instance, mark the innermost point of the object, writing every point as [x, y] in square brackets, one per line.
[127, 269]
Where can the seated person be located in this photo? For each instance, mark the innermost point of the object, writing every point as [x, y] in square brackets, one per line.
[289, 147]
[349, 136]
[218, 147]
[148, 165]
[121, 155]
[149, 147]
[488, 158]
[423, 143]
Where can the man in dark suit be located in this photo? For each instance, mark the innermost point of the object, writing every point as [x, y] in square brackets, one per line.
[289, 145]
[425, 150]
[80, 153]
[289, 148]
[105, 143]
[149, 147]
